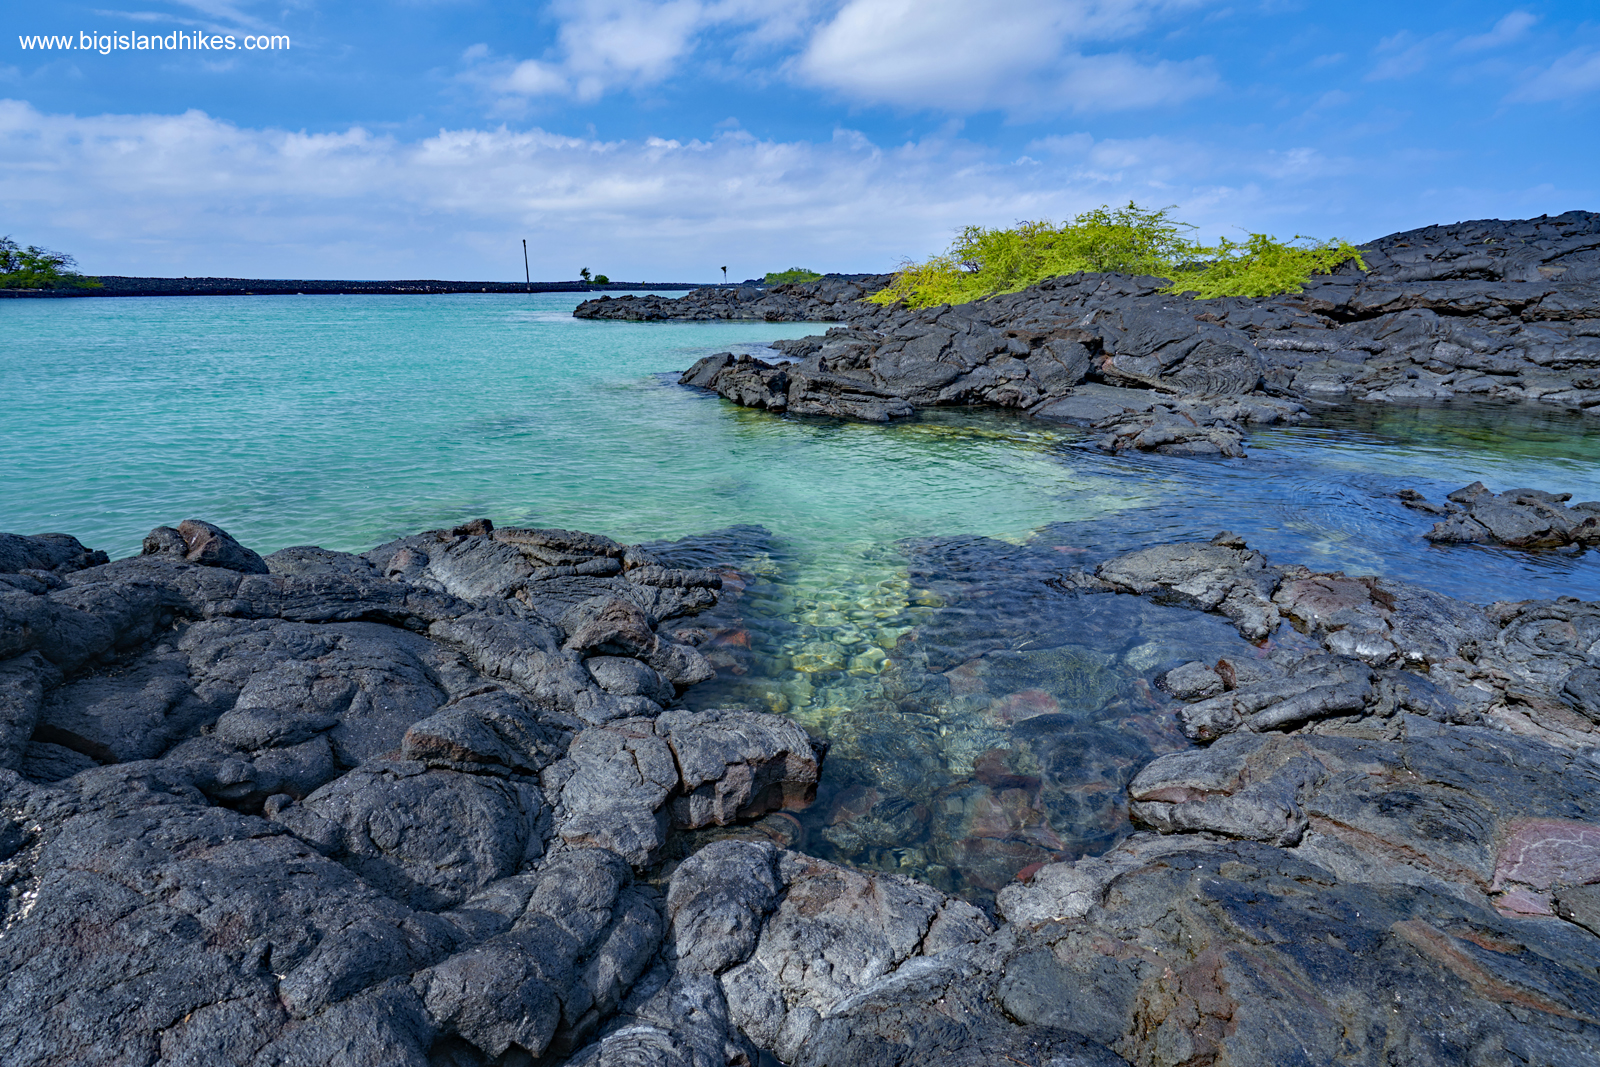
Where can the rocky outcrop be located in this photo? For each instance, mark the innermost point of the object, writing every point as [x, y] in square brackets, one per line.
[321, 807]
[1519, 518]
[1391, 829]
[1379, 645]
[1487, 309]
[831, 298]
[403, 807]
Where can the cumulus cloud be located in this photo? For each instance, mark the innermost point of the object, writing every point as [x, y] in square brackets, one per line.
[1571, 76]
[964, 57]
[191, 194]
[1035, 55]
[602, 45]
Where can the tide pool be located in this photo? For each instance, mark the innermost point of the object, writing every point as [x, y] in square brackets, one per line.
[863, 553]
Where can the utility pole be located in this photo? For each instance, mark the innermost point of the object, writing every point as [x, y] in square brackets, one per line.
[526, 276]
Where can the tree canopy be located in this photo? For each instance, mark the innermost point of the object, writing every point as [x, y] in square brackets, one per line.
[791, 276]
[38, 268]
[984, 262]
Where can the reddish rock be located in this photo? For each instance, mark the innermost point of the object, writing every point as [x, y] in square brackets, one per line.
[1546, 852]
[1024, 704]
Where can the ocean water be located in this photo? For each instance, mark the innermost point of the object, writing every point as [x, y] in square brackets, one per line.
[870, 559]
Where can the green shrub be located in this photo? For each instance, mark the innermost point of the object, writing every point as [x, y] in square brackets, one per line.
[601, 279]
[792, 276]
[1261, 266]
[38, 268]
[983, 262]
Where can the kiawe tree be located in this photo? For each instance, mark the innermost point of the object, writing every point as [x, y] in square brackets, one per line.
[38, 268]
[984, 262]
[792, 276]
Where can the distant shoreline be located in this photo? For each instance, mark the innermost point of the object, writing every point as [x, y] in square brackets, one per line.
[116, 285]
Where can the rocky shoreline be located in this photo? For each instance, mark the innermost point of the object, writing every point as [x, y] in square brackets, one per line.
[410, 807]
[460, 800]
[1485, 309]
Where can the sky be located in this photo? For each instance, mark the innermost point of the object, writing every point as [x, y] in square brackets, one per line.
[664, 139]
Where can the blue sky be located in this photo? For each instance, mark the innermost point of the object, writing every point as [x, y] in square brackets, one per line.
[661, 140]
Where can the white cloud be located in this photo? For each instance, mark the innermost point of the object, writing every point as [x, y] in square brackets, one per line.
[1118, 81]
[216, 14]
[190, 195]
[1027, 56]
[627, 41]
[1506, 31]
[533, 78]
[1574, 74]
[1161, 169]
[603, 45]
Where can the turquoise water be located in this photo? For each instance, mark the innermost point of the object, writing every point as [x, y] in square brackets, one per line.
[871, 558]
[350, 420]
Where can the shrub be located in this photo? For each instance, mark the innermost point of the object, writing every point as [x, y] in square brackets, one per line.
[601, 279]
[984, 262]
[792, 276]
[38, 268]
[1261, 266]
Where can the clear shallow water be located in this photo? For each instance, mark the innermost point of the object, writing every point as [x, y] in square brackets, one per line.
[346, 421]
[894, 582]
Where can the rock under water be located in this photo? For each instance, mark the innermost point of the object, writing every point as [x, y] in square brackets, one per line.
[409, 807]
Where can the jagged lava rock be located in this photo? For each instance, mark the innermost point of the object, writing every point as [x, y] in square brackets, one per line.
[1489, 308]
[394, 809]
[1519, 518]
[324, 807]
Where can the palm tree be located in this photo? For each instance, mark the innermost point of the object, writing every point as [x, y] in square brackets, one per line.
[724, 275]
[584, 274]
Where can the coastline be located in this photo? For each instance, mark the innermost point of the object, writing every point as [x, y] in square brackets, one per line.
[450, 800]
[1485, 309]
[430, 799]
[120, 285]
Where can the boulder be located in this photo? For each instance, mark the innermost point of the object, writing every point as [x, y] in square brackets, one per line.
[736, 764]
[1518, 518]
[198, 541]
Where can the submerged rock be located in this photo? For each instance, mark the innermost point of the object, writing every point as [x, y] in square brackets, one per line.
[399, 808]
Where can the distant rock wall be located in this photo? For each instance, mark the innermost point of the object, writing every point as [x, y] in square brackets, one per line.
[831, 298]
[121, 285]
